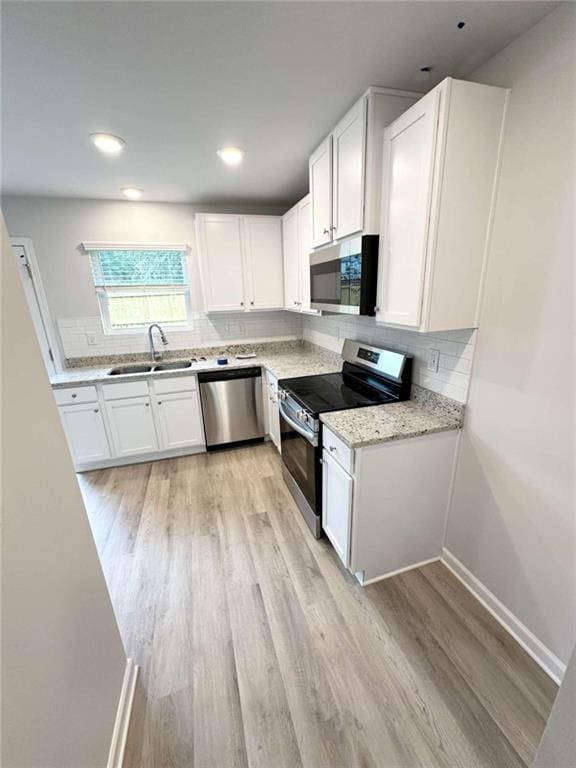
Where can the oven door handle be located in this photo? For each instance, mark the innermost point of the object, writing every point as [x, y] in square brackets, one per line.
[312, 437]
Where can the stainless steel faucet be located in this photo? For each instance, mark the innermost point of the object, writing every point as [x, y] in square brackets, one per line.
[154, 354]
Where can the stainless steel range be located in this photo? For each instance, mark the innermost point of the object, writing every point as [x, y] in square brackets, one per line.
[369, 376]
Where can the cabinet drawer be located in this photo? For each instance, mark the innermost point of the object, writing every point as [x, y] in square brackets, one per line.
[338, 450]
[174, 384]
[72, 395]
[125, 389]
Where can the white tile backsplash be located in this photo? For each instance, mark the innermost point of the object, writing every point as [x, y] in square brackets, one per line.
[206, 330]
[456, 349]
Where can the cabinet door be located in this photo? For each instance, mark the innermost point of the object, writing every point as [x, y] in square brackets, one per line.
[85, 432]
[220, 250]
[349, 152]
[132, 426]
[305, 247]
[263, 262]
[179, 420]
[336, 506]
[320, 171]
[290, 239]
[273, 411]
[409, 147]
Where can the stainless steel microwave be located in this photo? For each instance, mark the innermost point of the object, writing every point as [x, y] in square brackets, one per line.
[343, 276]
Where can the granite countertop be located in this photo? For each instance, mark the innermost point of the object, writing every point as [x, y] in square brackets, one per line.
[359, 427]
[282, 364]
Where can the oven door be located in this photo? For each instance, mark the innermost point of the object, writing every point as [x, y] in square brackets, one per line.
[335, 278]
[302, 468]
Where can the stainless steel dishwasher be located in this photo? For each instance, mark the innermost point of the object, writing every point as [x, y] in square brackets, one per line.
[232, 406]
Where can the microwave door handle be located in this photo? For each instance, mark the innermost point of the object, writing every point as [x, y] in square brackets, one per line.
[307, 435]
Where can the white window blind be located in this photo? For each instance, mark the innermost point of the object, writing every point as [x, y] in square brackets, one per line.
[139, 286]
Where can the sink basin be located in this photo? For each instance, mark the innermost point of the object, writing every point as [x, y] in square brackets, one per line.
[123, 369]
[177, 366]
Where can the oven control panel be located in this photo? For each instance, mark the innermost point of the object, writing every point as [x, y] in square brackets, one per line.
[369, 355]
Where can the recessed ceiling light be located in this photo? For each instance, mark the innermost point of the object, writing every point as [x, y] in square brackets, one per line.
[132, 193]
[231, 155]
[107, 143]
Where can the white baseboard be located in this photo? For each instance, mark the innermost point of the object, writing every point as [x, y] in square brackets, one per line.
[139, 458]
[549, 662]
[394, 573]
[123, 713]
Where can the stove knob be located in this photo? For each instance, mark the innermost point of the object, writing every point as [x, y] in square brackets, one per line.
[282, 395]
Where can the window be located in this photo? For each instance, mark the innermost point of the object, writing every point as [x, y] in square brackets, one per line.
[140, 285]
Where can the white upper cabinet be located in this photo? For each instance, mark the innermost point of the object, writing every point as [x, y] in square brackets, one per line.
[320, 170]
[440, 164]
[297, 242]
[348, 151]
[346, 169]
[292, 265]
[305, 247]
[409, 162]
[263, 258]
[241, 262]
[219, 240]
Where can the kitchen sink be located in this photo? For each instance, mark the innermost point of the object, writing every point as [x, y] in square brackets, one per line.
[123, 369]
[177, 366]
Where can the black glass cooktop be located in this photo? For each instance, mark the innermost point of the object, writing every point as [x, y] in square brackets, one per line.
[335, 392]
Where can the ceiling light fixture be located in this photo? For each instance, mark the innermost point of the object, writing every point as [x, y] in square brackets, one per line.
[231, 155]
[107, 143]
[132, 193]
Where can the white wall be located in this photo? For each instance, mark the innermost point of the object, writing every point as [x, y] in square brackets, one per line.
[57, 226]
[62, 656]
[456, 349]
[557, 748]
[512, 518]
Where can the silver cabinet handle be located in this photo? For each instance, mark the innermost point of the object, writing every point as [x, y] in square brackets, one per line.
[74, 395]
[241, 303]
[147, 405]
[251, 303]
[326, 231]
[331, 448]
[333, 229]
[159, 402]
[96, 410]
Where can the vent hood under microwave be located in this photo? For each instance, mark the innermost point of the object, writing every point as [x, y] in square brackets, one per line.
[343, 277]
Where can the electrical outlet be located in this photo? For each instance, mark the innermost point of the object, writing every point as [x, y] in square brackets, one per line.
[433, 360]
[91, 339]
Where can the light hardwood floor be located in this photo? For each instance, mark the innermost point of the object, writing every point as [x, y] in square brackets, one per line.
[256, 648]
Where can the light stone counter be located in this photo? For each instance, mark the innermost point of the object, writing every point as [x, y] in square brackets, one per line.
[286, 364]
[358, 427]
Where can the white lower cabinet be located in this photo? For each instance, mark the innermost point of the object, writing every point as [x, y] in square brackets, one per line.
[337, 505]
[179, 420]
[385, 510]
[271, 404]
[85, 432]
[132, 426]
[131, 421]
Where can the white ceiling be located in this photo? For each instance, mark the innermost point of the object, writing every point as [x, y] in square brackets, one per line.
[179, 79]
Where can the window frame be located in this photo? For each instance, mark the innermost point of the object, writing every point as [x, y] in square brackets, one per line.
[102, 294]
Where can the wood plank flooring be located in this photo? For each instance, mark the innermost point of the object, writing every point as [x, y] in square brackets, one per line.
[256, 649]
